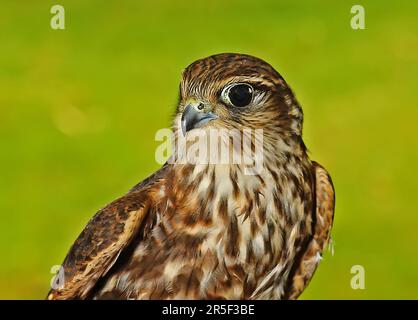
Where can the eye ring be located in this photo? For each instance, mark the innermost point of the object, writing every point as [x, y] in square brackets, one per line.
[238, 95]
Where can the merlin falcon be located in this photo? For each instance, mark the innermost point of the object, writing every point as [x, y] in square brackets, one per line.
[212, 230]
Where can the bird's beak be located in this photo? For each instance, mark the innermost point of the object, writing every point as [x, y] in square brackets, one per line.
[195, 116]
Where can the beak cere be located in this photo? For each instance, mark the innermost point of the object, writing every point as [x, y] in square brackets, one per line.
[193, 118]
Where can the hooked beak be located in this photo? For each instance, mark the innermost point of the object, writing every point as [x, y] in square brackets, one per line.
[194, 116]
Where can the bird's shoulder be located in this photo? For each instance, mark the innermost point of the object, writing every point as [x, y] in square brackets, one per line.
[105, 236]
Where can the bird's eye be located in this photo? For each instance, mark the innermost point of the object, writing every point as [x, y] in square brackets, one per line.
[239, 95]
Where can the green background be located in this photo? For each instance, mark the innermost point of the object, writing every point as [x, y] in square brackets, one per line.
[79, 109]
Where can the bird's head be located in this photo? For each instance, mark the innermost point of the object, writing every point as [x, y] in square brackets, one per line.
[237, 91]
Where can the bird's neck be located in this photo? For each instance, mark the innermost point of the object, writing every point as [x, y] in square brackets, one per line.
[266, 168]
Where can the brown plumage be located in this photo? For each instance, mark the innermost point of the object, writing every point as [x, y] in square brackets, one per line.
[206, 231]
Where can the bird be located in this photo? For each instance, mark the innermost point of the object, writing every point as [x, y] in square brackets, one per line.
[212, 230]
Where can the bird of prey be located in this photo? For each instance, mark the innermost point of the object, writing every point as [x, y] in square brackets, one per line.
[211, 231]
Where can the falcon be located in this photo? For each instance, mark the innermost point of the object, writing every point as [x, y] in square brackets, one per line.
[211, 230]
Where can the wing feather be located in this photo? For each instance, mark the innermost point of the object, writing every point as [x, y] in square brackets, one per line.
[324, 216]
[106, 235]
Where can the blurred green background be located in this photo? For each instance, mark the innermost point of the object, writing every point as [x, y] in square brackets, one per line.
[79, 109]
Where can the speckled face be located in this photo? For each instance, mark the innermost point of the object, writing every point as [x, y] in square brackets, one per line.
[238, 91]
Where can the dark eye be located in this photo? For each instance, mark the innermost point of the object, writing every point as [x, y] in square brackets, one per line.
[239, 95]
